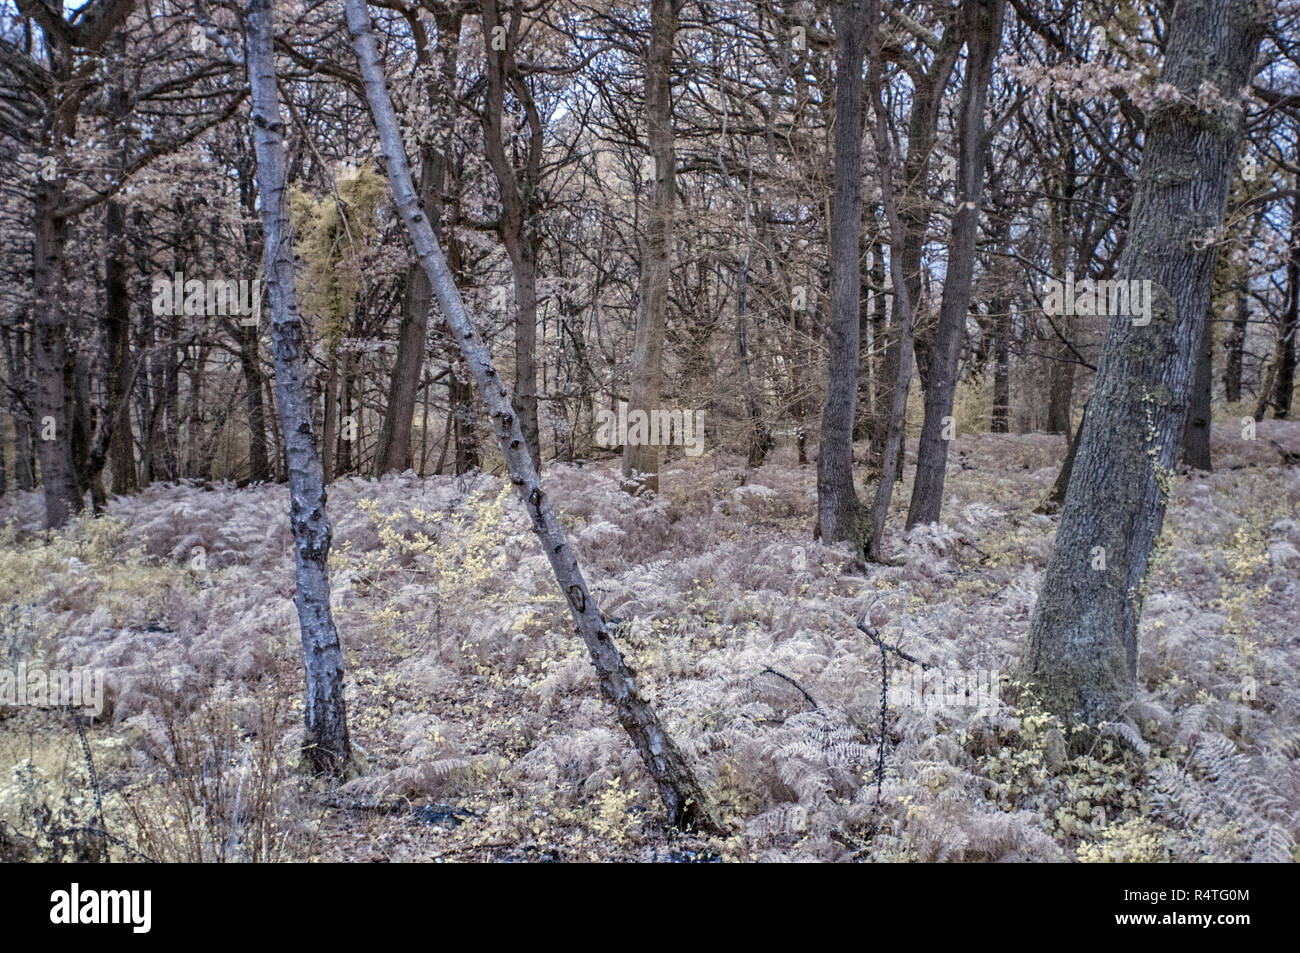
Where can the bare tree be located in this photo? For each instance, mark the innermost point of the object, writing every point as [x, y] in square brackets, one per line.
[641, 461]
[983, 30]
[682, 795]
[837, 500]
[326, 745]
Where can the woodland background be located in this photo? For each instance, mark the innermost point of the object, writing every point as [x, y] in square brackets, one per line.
[475, 717]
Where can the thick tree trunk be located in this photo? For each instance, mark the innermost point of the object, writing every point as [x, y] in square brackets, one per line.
[326, 746]
[838, 515]
[983, 37]
[1082, 648]
[681, 792]
[641, 462]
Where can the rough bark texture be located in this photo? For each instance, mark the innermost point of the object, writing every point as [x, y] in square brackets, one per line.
[1082, 647]
[682, 795]
[641, 463]
[837, 500]
[983, 37]
[326, 744]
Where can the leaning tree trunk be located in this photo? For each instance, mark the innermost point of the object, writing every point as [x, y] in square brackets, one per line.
[681, 792]
[641, 463]
[838, 515]
[1082, 648]
[326, 746]
[983, 37]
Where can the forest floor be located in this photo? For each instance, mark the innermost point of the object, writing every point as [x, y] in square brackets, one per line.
[479, 730]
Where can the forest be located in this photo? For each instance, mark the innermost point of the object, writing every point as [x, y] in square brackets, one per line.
[679, 431]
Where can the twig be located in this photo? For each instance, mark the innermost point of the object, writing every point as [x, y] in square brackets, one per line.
[98, 831]
[90, 766]
[885, 648]
[812, 701]
[871, 634]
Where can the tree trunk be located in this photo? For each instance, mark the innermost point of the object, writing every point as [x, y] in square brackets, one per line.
[326, 746]
[393, 449]
[891, 463]
[518, 192]
[1196, 437]
[117, 306]
[1236, 344]
[641, 462]
[837, 500]
[983, 37]
[52, 363]
[15, 343]
[1001, 417]
[259, 464]
[1082, 648]
[1284, 381]
[681, 793]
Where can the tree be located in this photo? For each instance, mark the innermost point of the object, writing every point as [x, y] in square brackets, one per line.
[1082, 647]
[326, 745]
[641, 460]
[837, 500]
[682, 795]
[983, 32]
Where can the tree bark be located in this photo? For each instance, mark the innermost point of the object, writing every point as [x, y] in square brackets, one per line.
[518, 190]
[1196, 437]
[1082, 648]
[326, 746]
[983, 38]
[681, 793]
[904, 306]
[838, 515]
[393, 450]
[641, 462]
[52, 363]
